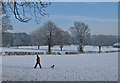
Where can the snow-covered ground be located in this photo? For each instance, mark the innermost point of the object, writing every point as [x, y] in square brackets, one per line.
[81, 67]
[55, 48]
[0, 69]
[0, 66]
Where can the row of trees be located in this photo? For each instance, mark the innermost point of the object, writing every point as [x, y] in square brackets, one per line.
[15, 39]
[50, 34]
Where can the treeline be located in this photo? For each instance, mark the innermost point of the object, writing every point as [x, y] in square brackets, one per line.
[15, 39]
[50, 34]
[24, 39]
[108, 40]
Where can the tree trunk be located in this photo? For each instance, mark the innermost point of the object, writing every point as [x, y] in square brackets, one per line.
[50, 42]
[61, 48]
[49, 48]
[100, 49]
[80, 49]
[38, 47]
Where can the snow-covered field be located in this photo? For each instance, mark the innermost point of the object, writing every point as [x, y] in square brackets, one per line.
[0, 69]
[81, 67]
[56, 49]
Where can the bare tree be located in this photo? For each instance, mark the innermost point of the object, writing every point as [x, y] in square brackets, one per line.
[100, 40]
[5, 21]
[6, 24]
[47, 34]
[50, 28]
[51, 35]
[37, 38]
[24, 10]
[62, 38]
[81, 32]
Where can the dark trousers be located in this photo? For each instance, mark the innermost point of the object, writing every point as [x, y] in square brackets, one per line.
[39, 65]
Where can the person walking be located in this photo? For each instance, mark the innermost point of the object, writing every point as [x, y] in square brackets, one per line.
[38, 62]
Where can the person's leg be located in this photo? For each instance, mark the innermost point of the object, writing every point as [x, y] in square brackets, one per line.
[40, 65]
[35, 65]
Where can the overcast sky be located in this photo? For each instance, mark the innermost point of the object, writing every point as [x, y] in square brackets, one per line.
[101, 17]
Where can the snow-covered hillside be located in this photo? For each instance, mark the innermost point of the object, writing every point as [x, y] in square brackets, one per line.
[82, 67]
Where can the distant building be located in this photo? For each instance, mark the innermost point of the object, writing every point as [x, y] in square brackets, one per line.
[116, 45]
